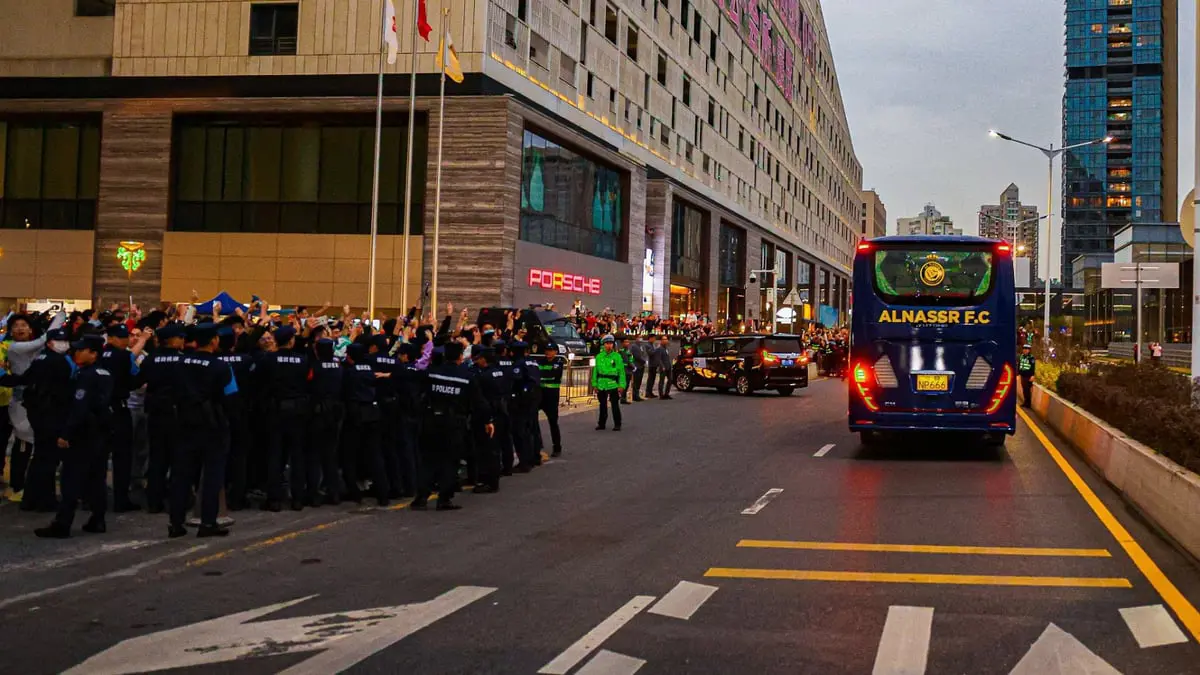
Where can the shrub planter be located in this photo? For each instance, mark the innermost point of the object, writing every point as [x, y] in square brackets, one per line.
[1167, 493]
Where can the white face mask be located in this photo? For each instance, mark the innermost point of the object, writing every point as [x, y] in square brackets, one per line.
[60, 346]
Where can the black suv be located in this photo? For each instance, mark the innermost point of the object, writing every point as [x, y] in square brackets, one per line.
[743, 363]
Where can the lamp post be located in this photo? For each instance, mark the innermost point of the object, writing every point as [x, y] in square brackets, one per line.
[1050, 153]
[131, 255]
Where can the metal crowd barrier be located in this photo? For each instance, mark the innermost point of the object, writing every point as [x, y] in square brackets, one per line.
[576, 383]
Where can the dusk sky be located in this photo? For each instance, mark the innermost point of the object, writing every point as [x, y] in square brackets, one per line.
[924, 80]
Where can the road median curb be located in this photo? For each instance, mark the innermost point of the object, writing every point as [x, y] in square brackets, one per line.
[1166, 493]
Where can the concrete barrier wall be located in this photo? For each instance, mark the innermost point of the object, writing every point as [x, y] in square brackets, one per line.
[1165, 492]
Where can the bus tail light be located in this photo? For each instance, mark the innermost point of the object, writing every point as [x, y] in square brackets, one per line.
[1004, 249]
[1002, 389]
[864, 246]
[862, 377]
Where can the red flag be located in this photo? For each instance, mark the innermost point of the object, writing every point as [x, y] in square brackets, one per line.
[423, 26]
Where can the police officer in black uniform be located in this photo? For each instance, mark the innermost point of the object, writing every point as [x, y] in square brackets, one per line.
[326, 422]
[487, 452]
[453, 399]
[503, 423]
[122, 365]
[237, 412]
[81, 441]
[409, 382]
[160, 373]
[284, 375]
[385, 366]
[49, 387]
[361, 433]
[551, 370]
[204, 383]
[523, 407]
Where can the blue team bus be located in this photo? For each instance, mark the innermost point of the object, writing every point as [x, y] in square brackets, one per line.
[933, 337]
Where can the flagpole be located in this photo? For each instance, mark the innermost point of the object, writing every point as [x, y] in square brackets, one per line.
[408, 162]
[437, 191]
[375, 174]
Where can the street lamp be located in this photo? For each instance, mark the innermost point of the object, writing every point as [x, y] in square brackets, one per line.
[1014, 224]
[1050, 153]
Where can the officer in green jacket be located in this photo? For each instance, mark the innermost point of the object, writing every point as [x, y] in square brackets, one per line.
[608, 379]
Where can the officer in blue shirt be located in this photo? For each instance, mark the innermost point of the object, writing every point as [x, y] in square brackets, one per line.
[326, 423]
[205, 381]
[487, 453]
[360, 432]
[284, 377]
[49, 387]
[523, 407]
[504, 434]
[237, 411]
[81, 441]
[160, 373]
[384, 365]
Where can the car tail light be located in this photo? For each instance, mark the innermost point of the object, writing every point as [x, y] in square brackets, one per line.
[769, 359]
[804, 359]
[1002, 389]
[862, 382]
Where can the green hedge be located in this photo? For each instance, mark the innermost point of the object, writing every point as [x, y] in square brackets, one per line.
[1151, 405]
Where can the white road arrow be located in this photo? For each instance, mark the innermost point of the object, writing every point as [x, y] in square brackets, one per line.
[1057, 652]
[344, 638]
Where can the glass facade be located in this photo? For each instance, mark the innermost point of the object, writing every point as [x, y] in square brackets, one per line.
[1114, 87]
[687, 244]
[569, 201]
[732, 256]
[293, 175]
[49, 173]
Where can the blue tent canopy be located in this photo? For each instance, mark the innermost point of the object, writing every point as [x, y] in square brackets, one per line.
[228, 304]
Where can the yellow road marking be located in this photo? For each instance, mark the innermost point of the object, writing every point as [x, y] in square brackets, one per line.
[912, 578]
[288, 536]
[1170, 594]
[919, 548]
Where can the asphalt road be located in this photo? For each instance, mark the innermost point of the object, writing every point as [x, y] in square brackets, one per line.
[997, 564]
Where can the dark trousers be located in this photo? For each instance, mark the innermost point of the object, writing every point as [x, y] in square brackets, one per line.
[22, 455]
[638, 373]
[442, 441]
[612, 396]
[549, 405]
[360, 443]
[84, 469]
[664, 384]
[161, 427]
[519, 428]
[39, 483]
[650, 380]
[240, 443]
[1027, 389]
[389, 444]
[120, 448]
[5, 432]
[504, 440]
[323, 438]
[628, 378]
[287, 445]
[487, 456]
[202, 449]
[409, 454]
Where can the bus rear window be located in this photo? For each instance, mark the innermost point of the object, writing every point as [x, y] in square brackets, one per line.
[928, 276]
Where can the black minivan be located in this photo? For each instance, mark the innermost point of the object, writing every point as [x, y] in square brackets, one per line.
[744, 363]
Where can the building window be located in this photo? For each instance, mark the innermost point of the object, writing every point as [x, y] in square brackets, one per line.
[273, 29]
[687, 244]
[730, 260]
[687, 91]
[292, 176]
[569, 201]
[95, 7]
[610, 23]
[631, 42]
[49, 174]
[662, 69]
[591, 79]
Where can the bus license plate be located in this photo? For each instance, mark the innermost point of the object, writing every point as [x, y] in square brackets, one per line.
[933, 382]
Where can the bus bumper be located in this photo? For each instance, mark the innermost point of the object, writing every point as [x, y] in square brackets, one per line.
[933, 422]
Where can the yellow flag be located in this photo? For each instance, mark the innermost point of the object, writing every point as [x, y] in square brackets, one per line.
[448, 58]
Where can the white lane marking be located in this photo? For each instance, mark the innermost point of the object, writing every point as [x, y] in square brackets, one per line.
[124, 572]
[1152, 626]
[592, 639]
[904, 646]
[762, 502]
[1057, 652]
[55, 563]
[823, 451]
[611, 663]
[683, 600]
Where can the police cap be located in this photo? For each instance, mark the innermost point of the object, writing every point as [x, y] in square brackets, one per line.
[171, 330]
[94, 343]
[203, 333]
[118, 330]
[380, 342]
[607, 339]
[518, 346]
[484, 353]
[356, 352]
[413, 351]
[284, 335]
[56, 335]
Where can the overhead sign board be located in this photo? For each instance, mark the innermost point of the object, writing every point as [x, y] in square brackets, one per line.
[1144, 275]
